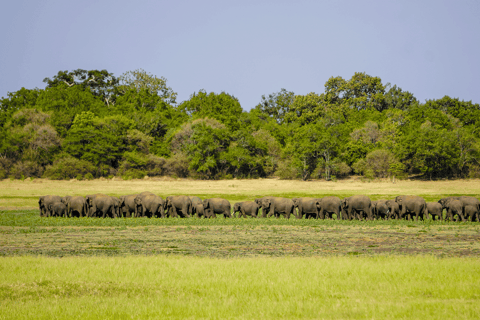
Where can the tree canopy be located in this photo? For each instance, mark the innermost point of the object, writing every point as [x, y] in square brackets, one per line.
[90, 123]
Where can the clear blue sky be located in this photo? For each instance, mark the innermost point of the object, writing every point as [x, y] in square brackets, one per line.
[247, 48]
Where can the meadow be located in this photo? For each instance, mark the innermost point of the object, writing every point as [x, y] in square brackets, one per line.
[235, 268]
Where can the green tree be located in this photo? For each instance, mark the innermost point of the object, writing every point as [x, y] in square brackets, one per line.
[139, 80]
[362, 91]
[99, 141]
[100, 83]
[66, 102]
[222, 107]
[276, 105]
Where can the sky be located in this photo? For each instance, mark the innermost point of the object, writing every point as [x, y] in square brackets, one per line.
[247, 48]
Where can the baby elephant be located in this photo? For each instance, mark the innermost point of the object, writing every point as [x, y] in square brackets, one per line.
[247, 208]
[58, 209]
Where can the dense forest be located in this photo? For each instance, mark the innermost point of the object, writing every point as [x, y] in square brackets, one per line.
[91, 124]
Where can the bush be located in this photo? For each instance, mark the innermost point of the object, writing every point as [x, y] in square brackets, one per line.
[286, 170]
[25, 169]
[133, 174]
[178, 165]
[89, 176]
[359, 166]
[155, 166]
[69, 168]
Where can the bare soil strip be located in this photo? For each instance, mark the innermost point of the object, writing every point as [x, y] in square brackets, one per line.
[234, 241]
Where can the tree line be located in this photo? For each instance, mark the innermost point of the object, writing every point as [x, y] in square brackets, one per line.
[88, 124]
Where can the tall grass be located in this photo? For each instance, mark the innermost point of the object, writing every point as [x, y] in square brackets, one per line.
[159, 287]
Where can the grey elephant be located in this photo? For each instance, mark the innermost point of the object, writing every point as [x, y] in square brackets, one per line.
[454, 207]
[411, 205]
[327, 206]
[57, 209]
[356, 207]
[471, 204]
[307, 206]
[138, 207]
[101, 205]
[127, 205]
[44, 202]
[246, 208]
[197, 206]
[76, 206]
[276, 206]
[434, 209]
[393, 209]
[471, 212]
[89, 198]
[380, 209]
[258, 201]
[118, 212]
[151, 206]
[179, 206]
[214, 206]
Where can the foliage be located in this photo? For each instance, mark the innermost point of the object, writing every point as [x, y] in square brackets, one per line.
[69, 168]
[222, 107]
[133, 124]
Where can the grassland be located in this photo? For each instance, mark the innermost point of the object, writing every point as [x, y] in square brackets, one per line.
[159, 287]
[235, 268]
[24, 194]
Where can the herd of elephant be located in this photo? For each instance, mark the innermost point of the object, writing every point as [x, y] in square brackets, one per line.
[147, 204]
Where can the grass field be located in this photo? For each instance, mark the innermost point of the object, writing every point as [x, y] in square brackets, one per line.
[235, 268]
[158, 287]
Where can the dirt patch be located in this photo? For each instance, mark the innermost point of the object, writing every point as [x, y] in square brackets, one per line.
[228, 241]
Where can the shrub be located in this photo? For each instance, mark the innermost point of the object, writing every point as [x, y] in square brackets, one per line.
[359, 166]
[69, 168]
[133, 174]
[89, 176]
[26, 169]
[178, 165]
[286, 170]
[155, 165]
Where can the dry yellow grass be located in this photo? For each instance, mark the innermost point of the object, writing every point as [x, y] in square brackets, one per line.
[21, 194]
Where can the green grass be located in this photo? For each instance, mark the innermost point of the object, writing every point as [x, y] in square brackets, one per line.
[28, 218]
[158, 287]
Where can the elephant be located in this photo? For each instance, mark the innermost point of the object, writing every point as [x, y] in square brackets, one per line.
[434, 209]
[276, 206]
[472, 203]
[179, 204]
[472, 212]
[57, 209]
[258, 201]
[76, 206]
[117, 202]
[380, 209]
[454, 207]
[101, 205]
[127, 205]
[393, 209]
[356, 207]
[197, 206]
[411, 205]
[138, 207]
[151, 205]
[327, 206]
[214, 206]
[246, 208]
[44, 202]
[307, 206]
[89, 198]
